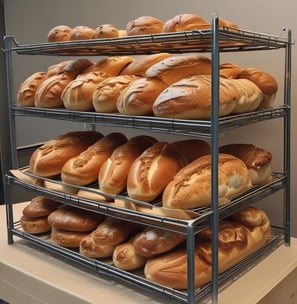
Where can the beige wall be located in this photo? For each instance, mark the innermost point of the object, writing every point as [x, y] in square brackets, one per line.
[29, 21]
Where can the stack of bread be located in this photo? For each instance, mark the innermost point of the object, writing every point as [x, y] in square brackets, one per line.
[35, 213]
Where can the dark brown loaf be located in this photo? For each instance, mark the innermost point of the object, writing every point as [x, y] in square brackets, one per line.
[35, 225]
[237, 240]
[191, 186]
[48, 160]
[59, 33]
[83, 169]
[40, 206]
[144, 25]
[113, 173]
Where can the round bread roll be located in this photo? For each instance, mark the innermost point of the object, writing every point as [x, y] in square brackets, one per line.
[27, 89]
[35, 225]
[81, 32]
[175, 68]
[83, 169]
[59, 33]
[57, 68]
[190, 98]
[152, 171]
[266, 83]
[48, 159]
[106, 31]
[141, 64]
[107, 92]
[144, 25]
[113, 173]
[229, 70]
[77, 95]
[185, 22]
[74, 219]
[40, 206]
[191, 186]
[138, 97]
[257, 160]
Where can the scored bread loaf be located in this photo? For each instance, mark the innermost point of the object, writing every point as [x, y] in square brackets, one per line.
[238, 238]
[114, 171]
[59, 33]
[144, 25]
[83, 169]
[48, 159]
[191, 186]
[57, 68]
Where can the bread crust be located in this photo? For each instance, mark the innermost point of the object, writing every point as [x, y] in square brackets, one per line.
[81, 32]
[59, 33]
[35, 225]
[106, 31]
[40, 206]
[144, 25]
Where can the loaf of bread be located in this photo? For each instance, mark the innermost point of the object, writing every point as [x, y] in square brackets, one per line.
[40, 206]
[185, 22]
[229, 70]
[81, 32]
[141, 64]
[257, 160]
[57, 68]
[144, 25]
[35, 225]
[48, 159]
[107, 92]
[152, 171]
[223, 22]
[175, 68]
[238, 238]
[83, 169]
[77, 95]
[139, 96]
[106, 31]
[59, 33]
[191, 186]
[113, 173]
[153, 241]
[27, 89]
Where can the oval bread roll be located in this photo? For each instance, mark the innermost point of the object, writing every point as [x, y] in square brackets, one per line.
[191, 186]
[35, 225]
[106, 31]
[81, 32]
[59, 33]
[40, 206]
[144, 25]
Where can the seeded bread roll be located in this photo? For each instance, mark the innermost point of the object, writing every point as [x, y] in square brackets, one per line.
[35, 225]
[48, 159]
[83, 169]
[81, 32]
[191, 186]
[40, 206]
[106, 31]
[144, 25]
[114, 172]
[59, 33]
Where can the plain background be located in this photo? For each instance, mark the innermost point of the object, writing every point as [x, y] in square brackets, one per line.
[29, 22]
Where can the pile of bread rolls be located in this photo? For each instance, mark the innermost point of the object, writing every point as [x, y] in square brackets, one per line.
[141, 25]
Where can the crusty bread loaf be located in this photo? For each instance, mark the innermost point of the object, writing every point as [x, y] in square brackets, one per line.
[144, 25]
[48, 159]
[152, 171]
[238, 239]
[185, 22]
[257, 160]
[229, 70]
[106, 31]
[40, 206]
[191, 186]
[83, 169]
[153, 241]
[190, 98]
[107, 92]
[223, 22]
[59, 33]
[77, 95]
[265, 81]
[141, 64]
[138, 97]
[57, 68]
[71, 218]
[81, 32]
[175, 68]
[35, 225]
[27, 89]
[114, 171]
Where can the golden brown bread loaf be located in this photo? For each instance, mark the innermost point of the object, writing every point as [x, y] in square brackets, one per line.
[83, 169]
[57, 68]
[40, 206]
[257, 160]
[152, 171]
[229, 70]
[77, 95]
[153, 241]
[48, 159]
[175, 68]
[107, 92]
[223, 22]
[138, 97]
[238, 238]
[144, 25]
[81, 32]
[35, 225]
[185, 22]
[70, 218]
[191, 186]
[27, 89]
[106, 31]
[141, 64]
[114, 171]
[59, 33]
